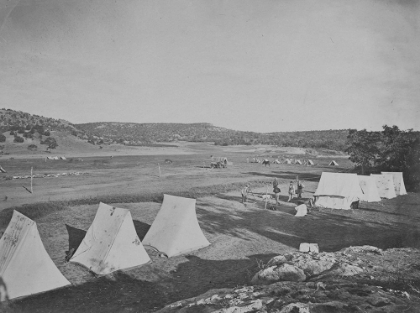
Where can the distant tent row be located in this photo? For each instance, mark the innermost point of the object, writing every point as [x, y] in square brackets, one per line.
[110, 244]
[341, 190]
[56, 158]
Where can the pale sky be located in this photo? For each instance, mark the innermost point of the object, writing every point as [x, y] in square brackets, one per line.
[261, 65]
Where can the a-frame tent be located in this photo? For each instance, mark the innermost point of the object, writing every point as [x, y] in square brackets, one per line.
[287, 161]
[111, 243]
[298, 162]
[25, 266]
[337, 191]
[310, 162]
[370, 191]
[385, 184]
[333, 163]
[398, 182]
[175, 229]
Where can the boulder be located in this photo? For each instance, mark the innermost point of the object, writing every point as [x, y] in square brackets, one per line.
[284, 272]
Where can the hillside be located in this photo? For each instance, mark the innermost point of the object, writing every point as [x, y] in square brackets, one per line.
[24, 126]
[15, 120]
[137, 134]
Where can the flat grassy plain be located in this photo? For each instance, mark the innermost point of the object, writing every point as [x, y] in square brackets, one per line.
[241, 235]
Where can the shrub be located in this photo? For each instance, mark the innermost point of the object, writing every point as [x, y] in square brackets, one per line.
[2, 138]
[33, 147]
[18, 139]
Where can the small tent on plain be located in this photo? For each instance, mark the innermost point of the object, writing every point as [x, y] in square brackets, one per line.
[338, 191]
[333, 163]
[25, 266]
[287, 161]
[370, 191]
[175, 229]
[111, 243]
[385, 184]
[298, 162]
[310, 162]
[2, 170]
[398, 182]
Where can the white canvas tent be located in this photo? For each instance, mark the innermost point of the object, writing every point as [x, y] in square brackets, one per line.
[398, 182]
[287, 161]
[111, 243]
[385, 184]
[175, 229]
[333, 163]
[370, 191]
[310, 162]
[298, 162]
[337, 191]
[2, 170]
[25, 266]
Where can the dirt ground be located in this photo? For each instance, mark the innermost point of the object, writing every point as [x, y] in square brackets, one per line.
[241, 235]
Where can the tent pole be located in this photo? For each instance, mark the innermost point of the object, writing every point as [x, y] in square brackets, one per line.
[31, 178]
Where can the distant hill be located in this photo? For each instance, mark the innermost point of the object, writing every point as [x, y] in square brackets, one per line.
[138, 134]
[25, 127]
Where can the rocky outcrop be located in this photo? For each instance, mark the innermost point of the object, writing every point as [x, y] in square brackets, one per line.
[355, 279]
[300, 266]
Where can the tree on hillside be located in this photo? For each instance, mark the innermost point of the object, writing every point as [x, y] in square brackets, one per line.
[51, 142]
[2, 138]
[401, 153]
[363, 148]
[392, 150]
[396, 144]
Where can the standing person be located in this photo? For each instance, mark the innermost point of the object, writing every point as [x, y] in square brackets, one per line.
[244, 193]
[292, 191]
[300, 187]
[276, 190]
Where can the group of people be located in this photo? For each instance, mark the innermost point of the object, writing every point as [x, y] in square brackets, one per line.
[293, 191]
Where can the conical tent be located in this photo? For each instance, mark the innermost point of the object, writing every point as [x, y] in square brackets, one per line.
[337, 191]
[385, 184]
[25, 266]
[298, 162]
[370, 191]
[111, 243]
[176, 230]
[398, 182]
[287, 161]
[310, 162]
[333, 163]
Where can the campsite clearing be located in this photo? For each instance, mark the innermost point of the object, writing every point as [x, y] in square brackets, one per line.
[240, 236]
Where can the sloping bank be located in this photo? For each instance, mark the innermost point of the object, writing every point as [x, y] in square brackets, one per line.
[38, 210]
